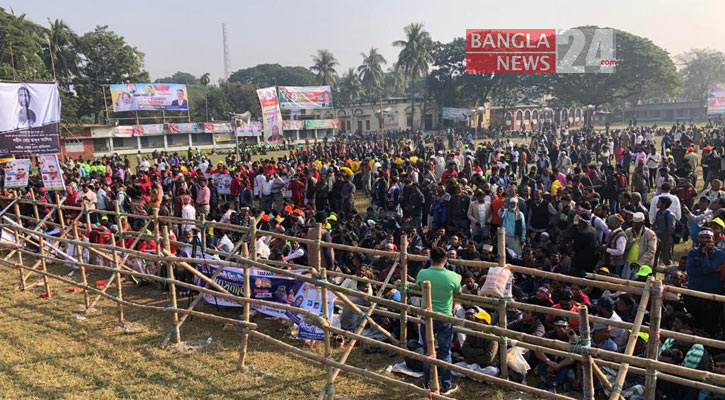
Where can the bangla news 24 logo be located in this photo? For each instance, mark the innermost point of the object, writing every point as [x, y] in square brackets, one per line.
[540, 51]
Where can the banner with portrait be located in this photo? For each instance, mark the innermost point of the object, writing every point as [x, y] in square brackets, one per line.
[51, 172]
[293, 125]
[322, 124]
[149, 96]
[16, 173]
[271, 115]
[223, 183]
[456, 114]
[190, 127]
[716, 99]
[29, 118]
[274, 288]
[304, 97]
[250, 129]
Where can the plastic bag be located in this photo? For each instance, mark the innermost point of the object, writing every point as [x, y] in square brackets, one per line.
[498, 283]
[516, 361]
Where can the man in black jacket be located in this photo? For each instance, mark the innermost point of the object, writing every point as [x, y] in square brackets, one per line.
[584, 246]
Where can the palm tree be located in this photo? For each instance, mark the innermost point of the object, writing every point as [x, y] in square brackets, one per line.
[324, 66]
[58, 44]
[371, 71]
[395, 80]
[350, 87]
[414, 57]
[204, 80]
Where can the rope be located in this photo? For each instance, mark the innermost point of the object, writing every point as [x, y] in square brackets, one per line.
[170, 307]
[503, 339]
[616, 387]
[174, 331]
[405, 287]
[581, 346]
[329, 390]
[651, 374]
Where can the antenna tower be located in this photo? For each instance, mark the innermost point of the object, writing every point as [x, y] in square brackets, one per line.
[227, 61]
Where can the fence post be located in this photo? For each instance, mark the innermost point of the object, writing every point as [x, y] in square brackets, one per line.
[433, 384]
[35, 205]
[247, 290]
[41, 248]
[84, 277]
[61, 218]
[502, 316]
[404, 287]
[18, 253]
[585, 340]
[329, 391]
[653, 345]
[175, 334]
[119, 285]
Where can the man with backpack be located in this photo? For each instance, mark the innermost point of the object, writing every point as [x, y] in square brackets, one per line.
[664, 226]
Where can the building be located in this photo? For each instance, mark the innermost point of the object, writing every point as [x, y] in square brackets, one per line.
[660, 112]
[396, 115]
[533, 116]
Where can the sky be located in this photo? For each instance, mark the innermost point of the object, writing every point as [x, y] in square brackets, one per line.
[187, 35]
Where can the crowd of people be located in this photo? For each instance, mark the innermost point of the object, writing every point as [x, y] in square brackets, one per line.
[571, 202]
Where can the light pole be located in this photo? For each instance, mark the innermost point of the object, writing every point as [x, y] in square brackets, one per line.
[382, 112]
[479, 112]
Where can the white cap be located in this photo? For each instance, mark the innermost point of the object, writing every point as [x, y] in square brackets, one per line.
[638, 217]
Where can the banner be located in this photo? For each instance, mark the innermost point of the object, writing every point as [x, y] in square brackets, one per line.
[271, 287]
[51, 172]
[271, 115]
[123, 131]
[716, 99]
[250, 129]
[149, 96]
[183, 128]
[223, 183]
[151, 129]
[211, 127]
[29, 118]
[322, 124]
[456, 114]
[16, 173]
[304, 97]
[293, 125]
[390, 121]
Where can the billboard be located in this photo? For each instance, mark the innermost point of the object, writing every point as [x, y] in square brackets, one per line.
[716, 99]
[322, 124]
[16, 173]
[250, 129]
[456, 114]
[29, 118]
[304, 97]
[271, 115]
[149, 96]
[296, 125]
[51, 172]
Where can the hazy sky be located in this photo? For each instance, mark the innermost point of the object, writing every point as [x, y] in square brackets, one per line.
[187, 35]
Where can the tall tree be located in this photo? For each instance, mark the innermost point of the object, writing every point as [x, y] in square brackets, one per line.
[59, 50]
[180, 77]
[324, 65]
[414, 57]
[204, 80]
[229, 97]
[700, 69]
[20, 51]
[107, 59]
[265, 75]
[395, 81]
[371, 72]
[349, 88]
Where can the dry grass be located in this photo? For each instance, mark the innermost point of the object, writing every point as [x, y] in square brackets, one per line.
[48, 352]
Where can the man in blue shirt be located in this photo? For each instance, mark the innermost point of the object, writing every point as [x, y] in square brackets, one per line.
[704, 265]
[664, 227]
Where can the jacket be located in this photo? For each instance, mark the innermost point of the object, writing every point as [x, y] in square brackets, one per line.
[473, 212]
[647, 246]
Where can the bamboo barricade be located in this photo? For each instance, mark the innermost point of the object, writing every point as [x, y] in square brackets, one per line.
[247, 293]
[460, 325]
[588, 364]
[653, 345]
[172, 290]
[430, 340]
[328, 393]
[404, 289]
[501, 309]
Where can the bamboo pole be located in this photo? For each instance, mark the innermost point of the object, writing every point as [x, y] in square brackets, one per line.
[502, 316]
[59, 203]
[119, 284]
[631, 342]
[35, 205]
[433, 384]
[41, 242]
[84, 277]
[248, 294]
[175, 333]
[404, 291]
[19, 255]
[653, 345]
[587, 364]
[328, 392]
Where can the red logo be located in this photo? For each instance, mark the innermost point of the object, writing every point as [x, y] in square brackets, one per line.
[511, 51]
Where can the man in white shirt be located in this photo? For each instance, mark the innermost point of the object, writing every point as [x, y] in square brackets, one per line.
[674, 207]
[714, 192]
[653, 162]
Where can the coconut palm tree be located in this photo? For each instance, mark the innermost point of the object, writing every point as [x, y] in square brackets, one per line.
[204, 80]
[324, 66]
[58, 44]
[414, 57]
[395, 82]
[350, 87]
[371, 72]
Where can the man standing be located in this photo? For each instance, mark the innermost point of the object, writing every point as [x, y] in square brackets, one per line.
[641, 244]
[203, 197]
[664, 227]
[443, 284]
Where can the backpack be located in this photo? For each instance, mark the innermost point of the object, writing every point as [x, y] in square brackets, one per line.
[621, 181]
[679, 229]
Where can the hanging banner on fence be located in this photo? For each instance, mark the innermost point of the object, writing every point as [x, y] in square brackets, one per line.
[123, 131]
[275, 288]
[716, 99]
[271, 115]
[304, 97]
[149, 96]
[250, 129]
[29, 118]
[322, 124]
[191, 127]
[151, 129]
[456, 114]
[16, 173]
[51, 172]
[293, 125]
[211, 127]
[223, 183]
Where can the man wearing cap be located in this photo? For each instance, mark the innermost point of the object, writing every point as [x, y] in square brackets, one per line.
[714, 192]
[605, 309]
[557, 366]
[615, 245]
[641, 246]
[704, 274]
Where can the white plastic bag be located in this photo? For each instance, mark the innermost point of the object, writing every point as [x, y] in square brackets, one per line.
[498, 283]
[516, 360]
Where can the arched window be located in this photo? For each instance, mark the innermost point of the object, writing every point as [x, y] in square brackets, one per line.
[535, 115]
[527, 115]
[520, 117]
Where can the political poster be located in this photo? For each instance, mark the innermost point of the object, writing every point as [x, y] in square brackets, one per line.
[16, 173]
[305, 97]
[223, 183]
[183, 127]
[716, 99]
[211, 127]
[271, 115]
[250, 129]
[456, 114]
[29, 118]
[293, 125]
[150, 129]
[51, 172]
[390, 121]
[149, 96]
[124, 131]
[268, 286]
[322, 124]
